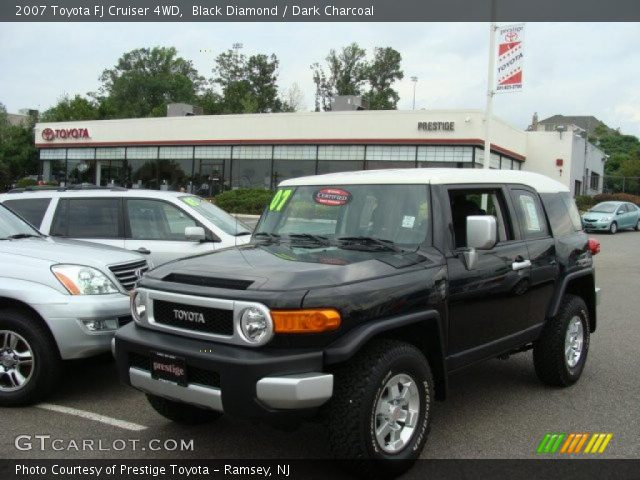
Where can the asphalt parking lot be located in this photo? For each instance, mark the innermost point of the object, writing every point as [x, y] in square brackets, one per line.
[495, 410]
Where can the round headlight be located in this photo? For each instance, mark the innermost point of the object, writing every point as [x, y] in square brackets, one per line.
[138, 308]
[255, 325]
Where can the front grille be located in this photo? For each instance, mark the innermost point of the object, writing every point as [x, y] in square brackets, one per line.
[127, 274]
[589, 219]
[198, 319]
[194, 374]
[230, 283]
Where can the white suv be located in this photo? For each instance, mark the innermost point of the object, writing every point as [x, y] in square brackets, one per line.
[163, 225]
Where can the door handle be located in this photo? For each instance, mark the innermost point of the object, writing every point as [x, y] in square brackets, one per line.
[144, 251]
[520, 265]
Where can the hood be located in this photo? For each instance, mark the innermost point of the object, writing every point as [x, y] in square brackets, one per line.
[56, 250]
[286, 267]
[597, 215]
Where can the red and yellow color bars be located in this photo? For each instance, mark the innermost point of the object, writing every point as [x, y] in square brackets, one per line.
[573, 443]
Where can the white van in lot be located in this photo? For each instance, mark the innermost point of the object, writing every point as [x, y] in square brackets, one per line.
[163, 225]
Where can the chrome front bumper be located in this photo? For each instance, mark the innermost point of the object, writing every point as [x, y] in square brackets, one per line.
[289, 392]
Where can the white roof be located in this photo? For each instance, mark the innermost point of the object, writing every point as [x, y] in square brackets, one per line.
[133, 192]
[435, 176]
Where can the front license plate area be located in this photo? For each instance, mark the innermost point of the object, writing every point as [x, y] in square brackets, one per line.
[169, 367]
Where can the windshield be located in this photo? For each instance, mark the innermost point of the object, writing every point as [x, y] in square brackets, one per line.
[12, 226]
[375, 217]
[605, 207]
[217, 216]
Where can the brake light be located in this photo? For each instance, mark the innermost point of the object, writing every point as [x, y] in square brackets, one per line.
[594, 246]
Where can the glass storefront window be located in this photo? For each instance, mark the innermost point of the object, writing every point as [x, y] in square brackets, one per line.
[379, 164]
[391, 153]
[295, 152]
[341, 152]
[108, 153]
[53, 154]
[284, 169]
[336, 166]
[81, 153]
[142, 153]
[211, 177]
[252, 151]
[169, 153]
[445, 154]
[251, 174]
[219, 152]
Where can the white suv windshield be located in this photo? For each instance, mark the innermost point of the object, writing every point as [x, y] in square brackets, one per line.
[217, 216]
[372, 215]
[12, 226]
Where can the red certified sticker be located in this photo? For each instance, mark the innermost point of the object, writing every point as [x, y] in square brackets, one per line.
[332, 197]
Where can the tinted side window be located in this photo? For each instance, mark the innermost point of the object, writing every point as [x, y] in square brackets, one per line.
[157, 220]
[31, 209]
[93, 218]
[465, 203]
[562, 212]
[533, 222]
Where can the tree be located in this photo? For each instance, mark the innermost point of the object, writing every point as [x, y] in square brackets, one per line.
[76, 108]
[293, 99]
[18, 156]
[144, 81]
[349, 73]
[249, 85]
[381, 75]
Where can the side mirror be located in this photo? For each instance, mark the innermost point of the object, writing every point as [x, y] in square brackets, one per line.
[482, 234]
[194, 234]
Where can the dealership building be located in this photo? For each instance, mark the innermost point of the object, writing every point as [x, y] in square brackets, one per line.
[207, 154]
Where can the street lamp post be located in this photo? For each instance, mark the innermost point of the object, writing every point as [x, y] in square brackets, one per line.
[415, 81]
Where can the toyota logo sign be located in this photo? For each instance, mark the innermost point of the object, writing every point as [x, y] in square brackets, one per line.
[48, 134]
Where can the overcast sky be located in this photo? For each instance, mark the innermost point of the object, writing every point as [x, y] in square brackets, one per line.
[570, 68]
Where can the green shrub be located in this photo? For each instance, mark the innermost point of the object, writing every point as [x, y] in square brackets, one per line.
[26, 182]
[585, 202]
[250, 201]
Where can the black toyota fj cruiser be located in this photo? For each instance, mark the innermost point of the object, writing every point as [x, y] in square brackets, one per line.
[358, 296]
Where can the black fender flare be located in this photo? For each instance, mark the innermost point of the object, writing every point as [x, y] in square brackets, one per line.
[350, 343]
[554, 306]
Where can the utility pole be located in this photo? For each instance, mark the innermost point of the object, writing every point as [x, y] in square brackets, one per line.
[415, 81]
[490, 80]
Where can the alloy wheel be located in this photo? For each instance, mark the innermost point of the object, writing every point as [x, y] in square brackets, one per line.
[397, 411]
[16, 361]
[574, 341]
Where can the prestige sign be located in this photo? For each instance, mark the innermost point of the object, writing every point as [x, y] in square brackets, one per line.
[436, 126]
[49, 134]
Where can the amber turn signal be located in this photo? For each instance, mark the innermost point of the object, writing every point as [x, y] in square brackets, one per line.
[305, 321]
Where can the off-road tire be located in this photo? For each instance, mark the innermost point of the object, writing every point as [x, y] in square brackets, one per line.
[549, 350]
[183, 413]
[47, 364]
[613, 228]
[350, 415]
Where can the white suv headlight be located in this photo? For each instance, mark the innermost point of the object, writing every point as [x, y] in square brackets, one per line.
[82, 280]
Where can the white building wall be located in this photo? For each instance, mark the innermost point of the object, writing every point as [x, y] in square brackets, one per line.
[545, 148]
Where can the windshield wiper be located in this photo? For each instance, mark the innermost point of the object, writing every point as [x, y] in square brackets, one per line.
[21, 235]
[369, 243]
[321, 239]
[240, 234]
[274, 237]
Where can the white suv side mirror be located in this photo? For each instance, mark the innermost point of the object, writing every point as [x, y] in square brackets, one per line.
[195, 234]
